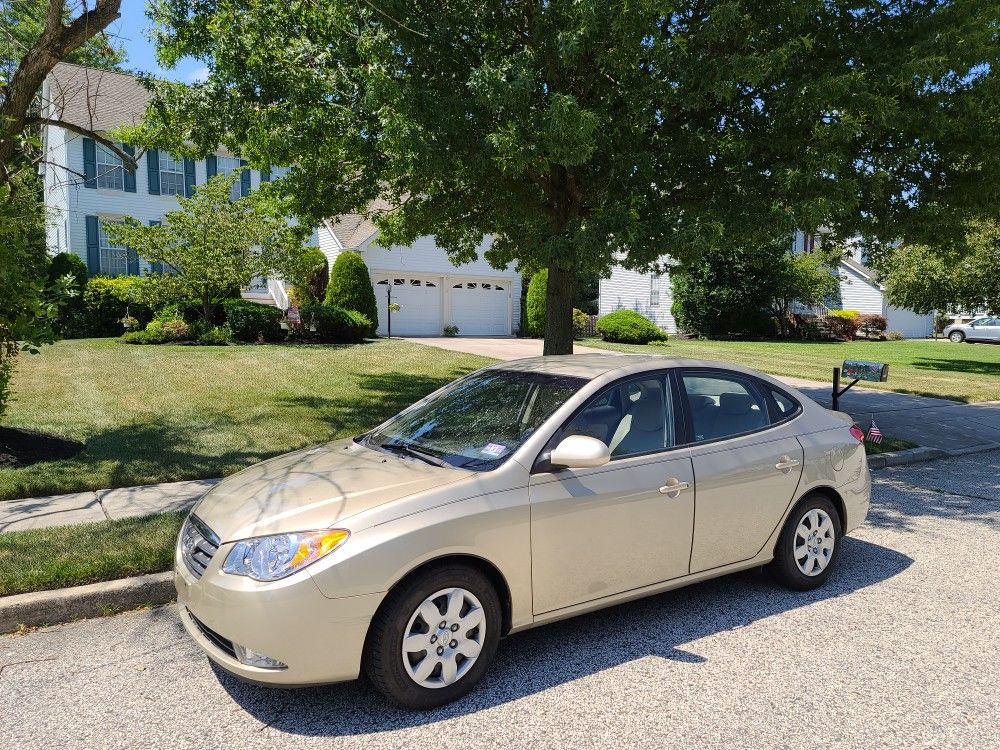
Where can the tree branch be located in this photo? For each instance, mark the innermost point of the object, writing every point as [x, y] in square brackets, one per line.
[130, 162]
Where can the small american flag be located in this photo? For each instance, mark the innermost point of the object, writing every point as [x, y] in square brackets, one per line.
[874, 433]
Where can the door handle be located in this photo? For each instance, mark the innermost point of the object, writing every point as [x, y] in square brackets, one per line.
[673, 487]
[786, 462]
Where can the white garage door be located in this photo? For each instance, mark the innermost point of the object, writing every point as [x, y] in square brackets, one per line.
[419, 300]
[481, 307]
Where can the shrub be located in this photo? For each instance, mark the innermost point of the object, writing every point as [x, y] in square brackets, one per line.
[629, 327]
[250, 321]
[941, 321]
[894, 336]
[844, 313]
[336, 325]
[158, 332]
[107, 300]
[842, 326]
[350, 288]
[71, 320]
[581, 323]
[309, 275]
[216, 336]
[872, 326]
[451, 331]
[535, 304]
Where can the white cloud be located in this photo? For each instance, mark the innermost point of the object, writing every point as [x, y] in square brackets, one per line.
[198, 75]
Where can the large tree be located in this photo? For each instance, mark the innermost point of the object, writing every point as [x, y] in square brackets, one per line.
[34, 36]
[922, 278]
[578, 131]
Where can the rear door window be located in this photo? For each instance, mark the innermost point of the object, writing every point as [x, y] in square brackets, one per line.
[722, 405]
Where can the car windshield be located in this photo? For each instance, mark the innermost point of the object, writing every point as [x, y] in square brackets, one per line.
[476, 422]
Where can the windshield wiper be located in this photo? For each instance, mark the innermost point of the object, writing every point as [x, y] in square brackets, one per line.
[409, 450]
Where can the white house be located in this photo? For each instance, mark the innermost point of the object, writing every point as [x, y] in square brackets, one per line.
[857, 289]
[431, 292]
[87, 187]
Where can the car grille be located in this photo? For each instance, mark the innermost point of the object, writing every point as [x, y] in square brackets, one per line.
[198, 545]
[223, 644]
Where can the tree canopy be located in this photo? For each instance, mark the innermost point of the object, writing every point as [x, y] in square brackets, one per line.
[922, 278]
[577, 132]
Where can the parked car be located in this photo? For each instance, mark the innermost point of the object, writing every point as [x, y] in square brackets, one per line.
[523, 493]
[980, 329]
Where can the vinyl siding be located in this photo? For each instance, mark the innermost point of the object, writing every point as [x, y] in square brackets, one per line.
[626, 289]
[858, 293]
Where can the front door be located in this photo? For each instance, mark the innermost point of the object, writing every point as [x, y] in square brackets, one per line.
[601, 531]
[747, 471]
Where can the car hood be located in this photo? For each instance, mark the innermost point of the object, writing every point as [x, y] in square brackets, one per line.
[313, 489]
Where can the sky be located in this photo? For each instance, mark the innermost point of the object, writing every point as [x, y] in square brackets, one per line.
[132, 31]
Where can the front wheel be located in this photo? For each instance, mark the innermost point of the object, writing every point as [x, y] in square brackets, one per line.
[809, 544]
[957, 337]
[434, 637]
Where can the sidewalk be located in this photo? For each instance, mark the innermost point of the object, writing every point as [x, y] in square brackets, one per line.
[102, 505]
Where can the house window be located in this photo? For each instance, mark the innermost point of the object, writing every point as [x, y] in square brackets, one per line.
[171, 175]
[110, 170]
[227, 165]
[654, 290]
[113, 257]
[812, 243]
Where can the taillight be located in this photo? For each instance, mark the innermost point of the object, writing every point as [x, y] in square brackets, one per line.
[858, 433]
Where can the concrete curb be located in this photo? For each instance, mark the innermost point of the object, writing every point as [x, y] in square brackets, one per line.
[79, 602]
[916, 455]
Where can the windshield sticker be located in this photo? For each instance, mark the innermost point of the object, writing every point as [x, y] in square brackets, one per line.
[494, 449]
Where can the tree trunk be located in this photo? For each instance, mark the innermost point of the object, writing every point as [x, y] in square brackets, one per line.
[559, 295]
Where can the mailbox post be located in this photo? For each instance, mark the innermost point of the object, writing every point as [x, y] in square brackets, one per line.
[857, 370]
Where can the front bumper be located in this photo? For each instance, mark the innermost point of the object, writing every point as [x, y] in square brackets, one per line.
[319, 639]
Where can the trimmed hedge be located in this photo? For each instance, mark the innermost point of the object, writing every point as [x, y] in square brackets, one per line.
[581, 322]
[629, 327]
[843, 327]
[107, 300]
[350, 288]
[535, 303]
[71, 321]
[159, 332]
[335, 325]
[251, 321]
[872, 326]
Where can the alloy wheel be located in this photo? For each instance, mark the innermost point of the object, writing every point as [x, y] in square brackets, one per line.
[956, 336]
[443, 638]
[814, 541]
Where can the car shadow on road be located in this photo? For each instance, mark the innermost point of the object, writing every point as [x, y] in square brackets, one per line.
[542, 658]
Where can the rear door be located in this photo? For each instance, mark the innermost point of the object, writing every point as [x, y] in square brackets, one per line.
[746, 460]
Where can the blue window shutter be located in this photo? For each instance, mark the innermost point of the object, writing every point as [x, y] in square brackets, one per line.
[156, 267]
[93, 246]
[265, 174]
[153, 170]
[129, 173]
[188, 177]
[244, 180]
[211, 166]
[89, 163]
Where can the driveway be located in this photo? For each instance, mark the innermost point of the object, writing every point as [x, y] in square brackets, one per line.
[498, 347]
[898, 650]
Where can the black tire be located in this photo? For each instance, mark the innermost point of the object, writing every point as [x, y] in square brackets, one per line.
[784, 567]
[383, 661]
[956, 337]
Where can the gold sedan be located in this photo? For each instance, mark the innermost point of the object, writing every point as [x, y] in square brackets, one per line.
[523, 493]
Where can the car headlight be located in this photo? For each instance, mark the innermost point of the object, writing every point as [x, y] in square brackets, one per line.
[269, 558]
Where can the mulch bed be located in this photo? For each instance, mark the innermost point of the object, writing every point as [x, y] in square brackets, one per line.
[25, 447]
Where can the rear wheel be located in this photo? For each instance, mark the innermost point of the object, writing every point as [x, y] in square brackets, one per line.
[434, 637]
[809, 545]
[957, 337]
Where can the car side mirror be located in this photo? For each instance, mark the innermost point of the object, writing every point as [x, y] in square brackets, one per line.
[579, 452]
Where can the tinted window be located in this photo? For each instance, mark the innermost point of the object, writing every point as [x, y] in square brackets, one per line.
[722, 406]
[631, 417]
[479, 421]
[786, 406]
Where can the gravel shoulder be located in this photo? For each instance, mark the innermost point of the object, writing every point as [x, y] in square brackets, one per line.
[898, 650]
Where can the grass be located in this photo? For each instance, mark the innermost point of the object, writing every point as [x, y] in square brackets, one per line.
[162, 413]
[961, 372]
[888, 445]
[52, 558]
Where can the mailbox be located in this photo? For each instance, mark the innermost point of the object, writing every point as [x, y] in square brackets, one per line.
[862, 370]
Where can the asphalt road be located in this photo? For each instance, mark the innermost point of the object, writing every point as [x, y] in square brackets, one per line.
[900, 649]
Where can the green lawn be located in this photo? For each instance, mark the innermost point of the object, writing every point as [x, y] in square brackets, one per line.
[40, 559]
[888, 445]
[963, 372]
[162, 413]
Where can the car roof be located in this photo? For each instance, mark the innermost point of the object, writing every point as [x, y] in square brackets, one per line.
[591, 366]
